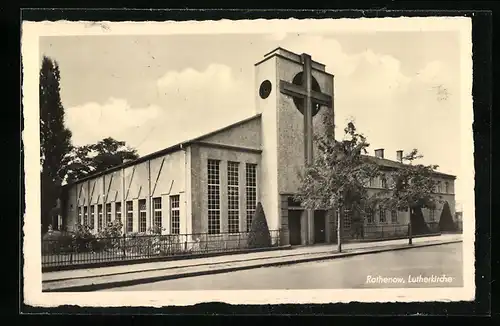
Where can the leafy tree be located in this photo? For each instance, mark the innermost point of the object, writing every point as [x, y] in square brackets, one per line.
[98, 157]
[446, 222]
[412, 187]
[55, 138]
[80, 163]
[259, 236]
[83, 239]
[339, 173]
[111, 152]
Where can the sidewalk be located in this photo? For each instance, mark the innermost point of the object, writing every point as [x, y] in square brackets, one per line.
[108, 277]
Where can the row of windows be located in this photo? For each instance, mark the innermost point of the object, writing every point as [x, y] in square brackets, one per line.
[370, 218]
[439, 185]
[129, 211]
[383, 182]
[382, 213]
[233, 195]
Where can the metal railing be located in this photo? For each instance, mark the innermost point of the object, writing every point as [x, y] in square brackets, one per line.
[71, 250]
[377, 231]
[386, 231]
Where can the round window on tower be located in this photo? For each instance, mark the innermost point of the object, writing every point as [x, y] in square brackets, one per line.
[265, 89]
[297, 80]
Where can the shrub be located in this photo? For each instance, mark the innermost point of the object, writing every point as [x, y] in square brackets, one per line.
[137, 243]
[169, 245]
[112, 230]
[418, 224]
[446, 222]
[54, 242]
[259, 236]
[109, 237]
[83, 239]
[152, 242]
[156, 229]
[155, 240]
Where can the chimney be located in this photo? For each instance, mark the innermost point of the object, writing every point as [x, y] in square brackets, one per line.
[379, 153]
[399, 156]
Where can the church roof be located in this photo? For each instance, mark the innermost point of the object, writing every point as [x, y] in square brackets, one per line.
[392, 165]
[165, 151]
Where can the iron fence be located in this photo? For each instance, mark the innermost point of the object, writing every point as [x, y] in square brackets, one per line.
[387, 231]
[71, 250]
[379, 231]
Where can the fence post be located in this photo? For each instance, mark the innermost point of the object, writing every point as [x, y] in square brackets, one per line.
[74, 246]
[123, 246]
[410, 241]
[339, 228]
[149, 242]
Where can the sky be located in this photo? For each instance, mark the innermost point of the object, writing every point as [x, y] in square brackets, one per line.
[401, 88]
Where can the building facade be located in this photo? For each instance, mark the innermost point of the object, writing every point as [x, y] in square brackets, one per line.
[395, 222]
[212, 184]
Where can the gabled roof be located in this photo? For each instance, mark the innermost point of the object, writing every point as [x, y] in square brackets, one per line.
[164, 151]
[390, 164]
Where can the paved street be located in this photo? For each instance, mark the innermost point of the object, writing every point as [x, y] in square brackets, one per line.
[419, 267]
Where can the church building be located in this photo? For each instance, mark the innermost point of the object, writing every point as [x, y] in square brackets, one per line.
[212, 184]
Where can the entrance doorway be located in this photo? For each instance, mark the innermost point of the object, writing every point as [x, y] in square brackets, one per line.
[319, 227]
[294, 227]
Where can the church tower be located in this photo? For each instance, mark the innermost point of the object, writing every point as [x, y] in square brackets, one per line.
[281, 93]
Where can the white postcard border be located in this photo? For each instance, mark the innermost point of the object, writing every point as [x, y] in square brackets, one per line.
[31, 31]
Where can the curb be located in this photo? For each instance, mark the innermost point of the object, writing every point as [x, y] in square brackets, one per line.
[195, 265]
[110, 285]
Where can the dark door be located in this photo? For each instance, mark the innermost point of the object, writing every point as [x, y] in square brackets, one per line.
[319, 227]
[294, 226]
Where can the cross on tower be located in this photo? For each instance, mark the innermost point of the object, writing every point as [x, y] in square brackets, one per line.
[306, 93]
